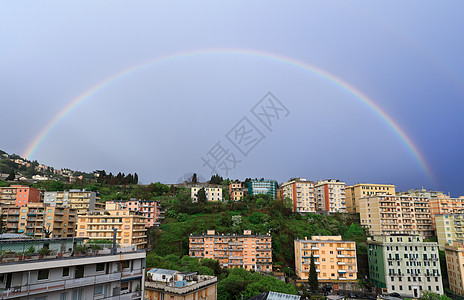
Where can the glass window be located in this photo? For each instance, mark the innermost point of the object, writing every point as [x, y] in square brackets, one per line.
[43, 274]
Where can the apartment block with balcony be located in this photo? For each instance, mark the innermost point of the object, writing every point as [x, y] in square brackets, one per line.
[455, 266]
[212, 193]
[251, 252]
[301, 192]
[170, 284]
[237, 191]
[40, 220]
[355, 192]
[81, 200]
[330, 196]
[422, 193]
[63, 276]
[404, 264]
[99, 225]
[442, 204]
[269, 187]
[334, 258]
[386, 215]
[19, 195]
[449, 228]
[149, 208]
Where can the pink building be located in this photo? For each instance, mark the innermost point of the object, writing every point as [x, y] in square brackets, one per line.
[149, 208]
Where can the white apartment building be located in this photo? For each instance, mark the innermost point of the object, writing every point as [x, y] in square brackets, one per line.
[212, 193]
[330, 196]
[301, 192]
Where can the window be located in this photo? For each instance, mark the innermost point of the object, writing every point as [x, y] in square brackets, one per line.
[41, 298]
[63, 296]
[98, 290]
[65, 272]
[100, 267]
[42, 275]
[79, 271]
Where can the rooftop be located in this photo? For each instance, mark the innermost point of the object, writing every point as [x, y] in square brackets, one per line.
[176, 282]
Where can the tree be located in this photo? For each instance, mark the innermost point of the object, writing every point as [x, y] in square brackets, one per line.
[194, 178]
[136, 179]
[201, 195]
[426, 295]
[312, 279]
[12, 175]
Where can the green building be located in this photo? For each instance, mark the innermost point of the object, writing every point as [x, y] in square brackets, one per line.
[262, 186]
[404, 264]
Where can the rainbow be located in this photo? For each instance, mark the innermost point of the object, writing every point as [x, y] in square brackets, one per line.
[388, 120]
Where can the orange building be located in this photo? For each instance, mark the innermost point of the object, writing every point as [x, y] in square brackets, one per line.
[443, 205]
[236, 191]
[330, 195]
[251, 252]
[19, 195]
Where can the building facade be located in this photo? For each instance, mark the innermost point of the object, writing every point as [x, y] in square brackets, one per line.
[19, 195]
[149, 208]
[442, 204]
[334, 258]
[449, 228]
[40, 220]
[330, 196]
[301, 192]
[98, 225]
[386, 215]
[236, 191]
[81, 200]
[355, 192]
[262, 186]
[164, 284]
[404, 264]
[455, 267]
[212, 193]
[251, 252]
[102, 276]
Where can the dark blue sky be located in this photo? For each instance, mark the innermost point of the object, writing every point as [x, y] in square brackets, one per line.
[161, 120]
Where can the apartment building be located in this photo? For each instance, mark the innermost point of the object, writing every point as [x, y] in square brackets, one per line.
[386, 215]
[99, 225]
[170, 284]
[422, 193]
[442, 204]
[97, 276]
[236, 191]
[449, 228]
[455, 266]
[355, 192]
[404, 264]
[262, 186]
[150, 209]
[301, 192]
[212, 193]
[81, 200]
[334, 258]
[40, 220]
[19, 195]
[330, 196]
[251, 252]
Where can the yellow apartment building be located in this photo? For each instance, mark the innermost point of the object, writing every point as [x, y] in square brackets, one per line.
[301, 192]
[251, 252]
[449, 228]
[334, 258]
[455, 263]
[360, 190]
[98, 225]
[330, 195]
[40, 220]
[81, 200]
[386, 215]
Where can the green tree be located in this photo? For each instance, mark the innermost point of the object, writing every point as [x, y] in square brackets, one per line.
[427, 295]
[312, 279]
[12, 175]
[201, 195]
[136, 178]
[194, 178]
